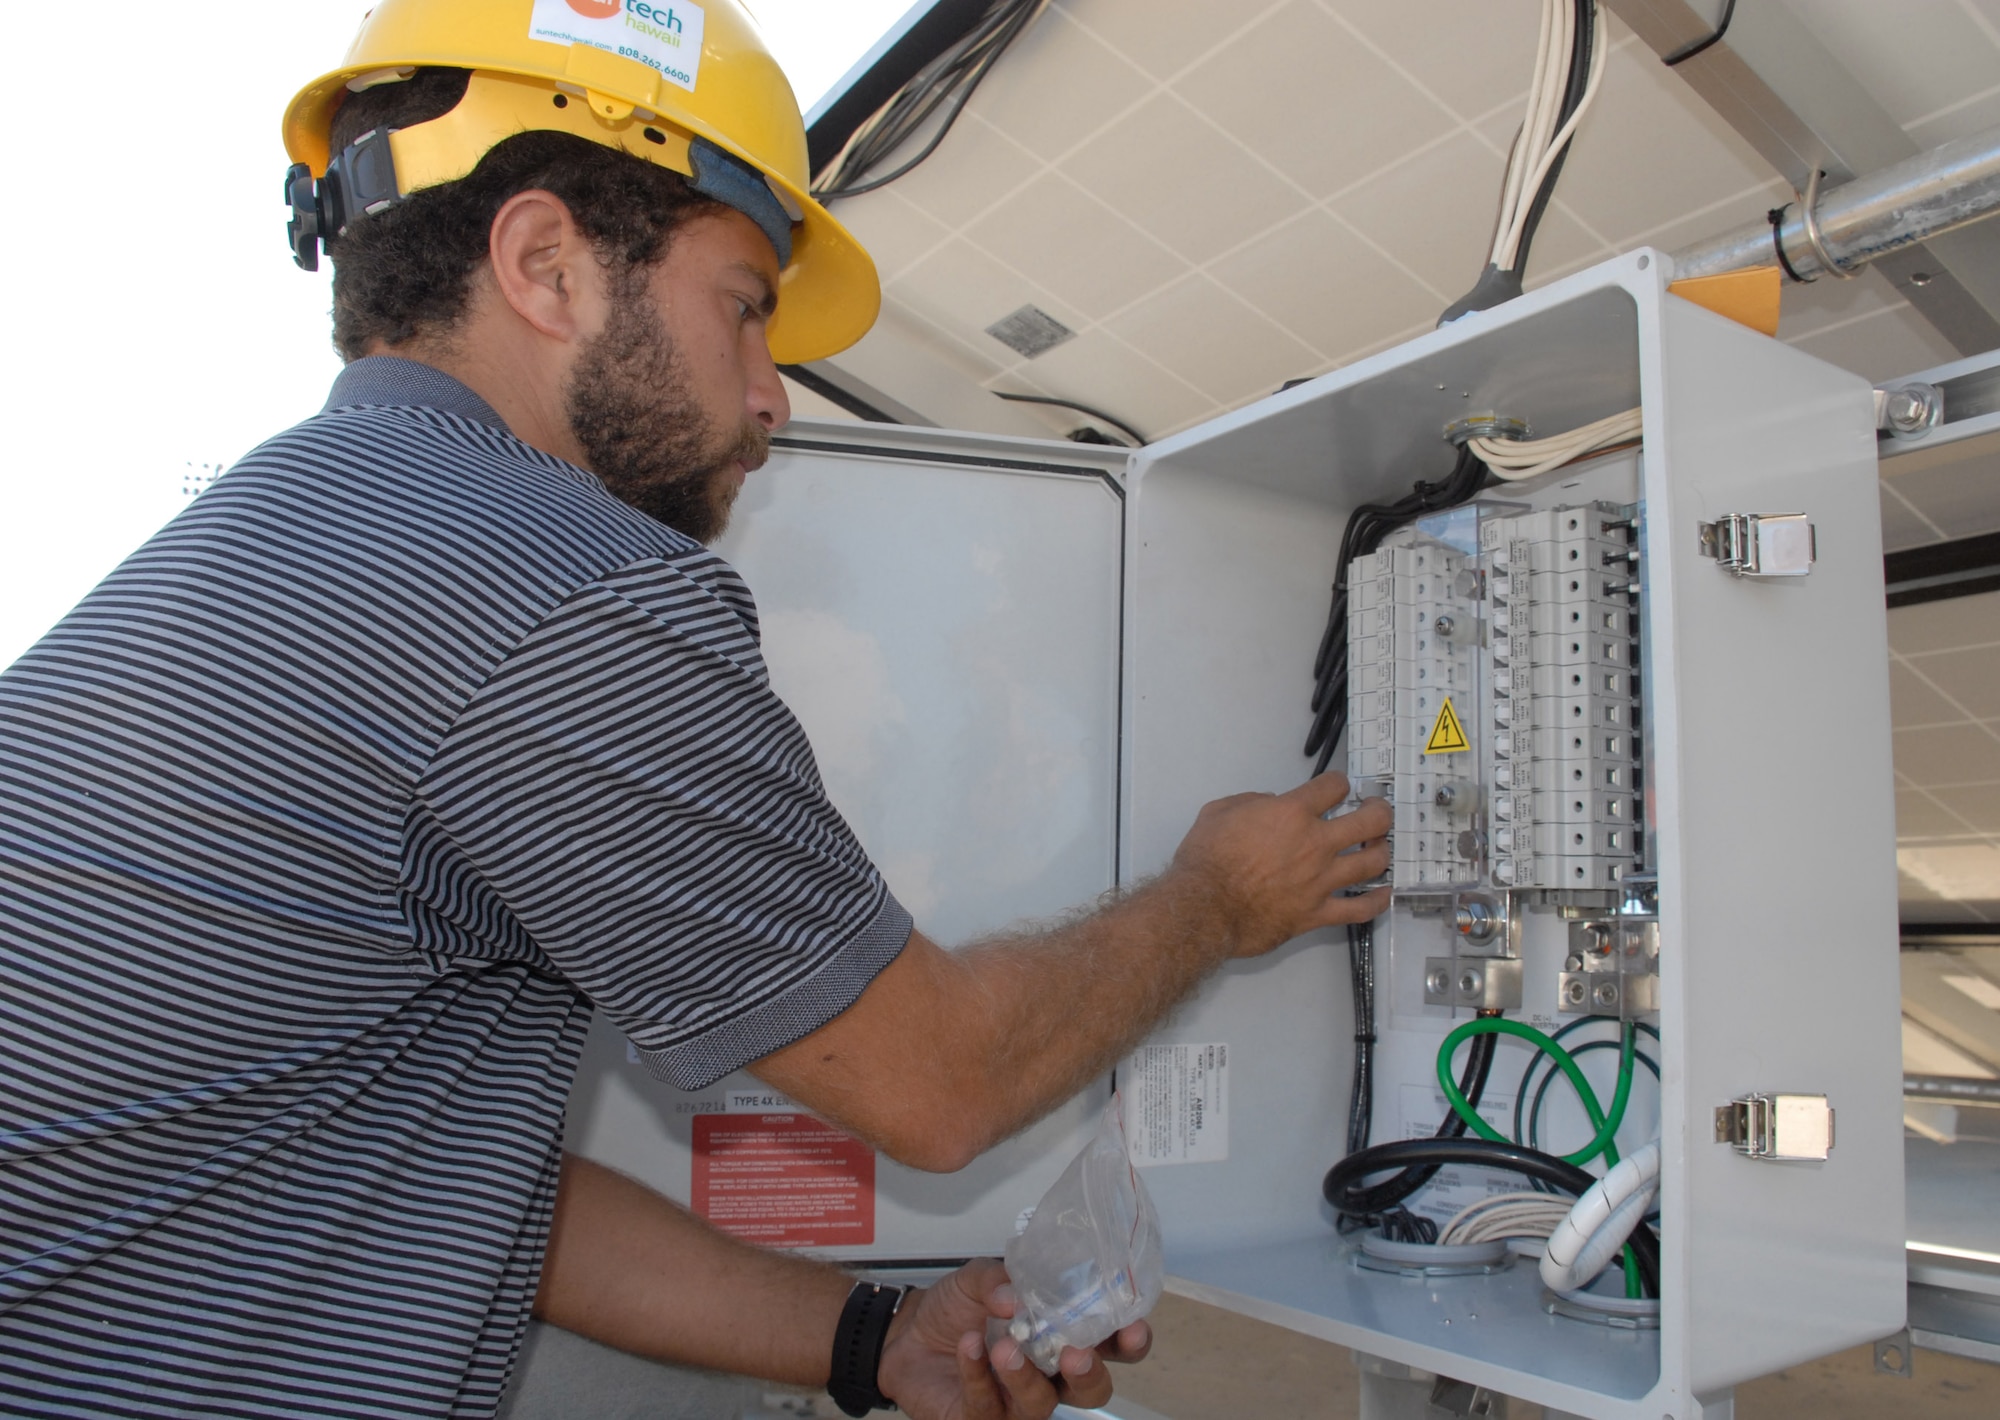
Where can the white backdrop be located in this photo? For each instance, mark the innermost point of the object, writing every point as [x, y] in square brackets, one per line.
[157, 327]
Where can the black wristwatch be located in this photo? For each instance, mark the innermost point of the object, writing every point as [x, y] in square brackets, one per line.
[857, 1347]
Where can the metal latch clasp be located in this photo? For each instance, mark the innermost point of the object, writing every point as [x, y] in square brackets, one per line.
[1762, 544]
[1784, 1127]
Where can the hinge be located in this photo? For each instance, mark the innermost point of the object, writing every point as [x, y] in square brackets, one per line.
[1762, 544]
[1784, 1127]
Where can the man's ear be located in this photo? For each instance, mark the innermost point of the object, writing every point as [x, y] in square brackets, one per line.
[544, 267]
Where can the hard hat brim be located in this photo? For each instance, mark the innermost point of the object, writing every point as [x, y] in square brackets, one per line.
[829, 295]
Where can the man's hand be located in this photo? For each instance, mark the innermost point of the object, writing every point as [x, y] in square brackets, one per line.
[1278, 864]
[936, 1365]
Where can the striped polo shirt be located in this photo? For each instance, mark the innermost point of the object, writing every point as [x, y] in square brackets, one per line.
[325, 821]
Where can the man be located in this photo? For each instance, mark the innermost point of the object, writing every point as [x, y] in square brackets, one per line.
[327, 819]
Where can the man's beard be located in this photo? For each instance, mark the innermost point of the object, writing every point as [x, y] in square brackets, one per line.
[642, 429]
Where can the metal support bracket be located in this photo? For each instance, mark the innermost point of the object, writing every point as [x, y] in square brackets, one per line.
[1895, 1355]
[1463, 1400]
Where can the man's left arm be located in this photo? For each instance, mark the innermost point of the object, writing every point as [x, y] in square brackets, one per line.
[627, 1267]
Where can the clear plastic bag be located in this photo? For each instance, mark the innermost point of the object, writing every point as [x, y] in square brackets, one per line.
[1089, 1261]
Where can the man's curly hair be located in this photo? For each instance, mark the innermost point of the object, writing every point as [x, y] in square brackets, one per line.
[408, 271]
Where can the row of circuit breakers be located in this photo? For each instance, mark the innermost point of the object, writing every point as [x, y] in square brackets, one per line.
[1493, 682]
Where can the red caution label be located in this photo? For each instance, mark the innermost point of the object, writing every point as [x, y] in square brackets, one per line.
[784, 1180]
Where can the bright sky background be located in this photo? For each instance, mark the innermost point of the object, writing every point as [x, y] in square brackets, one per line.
[158, 326]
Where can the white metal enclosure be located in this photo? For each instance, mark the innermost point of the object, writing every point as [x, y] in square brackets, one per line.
[1022, 684]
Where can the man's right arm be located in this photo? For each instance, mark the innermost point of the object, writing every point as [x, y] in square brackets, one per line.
[947, 1053]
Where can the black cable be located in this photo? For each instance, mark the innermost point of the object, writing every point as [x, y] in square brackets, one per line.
[1694, 47]
[1403, 1226]
[1366, 527]
[1361, 965]
[1497, 285]
[947, 82]
[1120, 425]
[1537, 1058]
[1574, 89]
[1541, 1093]
[1345, 1190]
[1370, 1204]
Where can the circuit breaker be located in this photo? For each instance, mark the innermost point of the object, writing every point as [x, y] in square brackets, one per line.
[1495, 698]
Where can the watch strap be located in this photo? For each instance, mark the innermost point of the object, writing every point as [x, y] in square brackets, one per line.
[857, 1347]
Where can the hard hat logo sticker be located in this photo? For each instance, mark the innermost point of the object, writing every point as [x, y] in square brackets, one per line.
[1447, 734]
[664, 35]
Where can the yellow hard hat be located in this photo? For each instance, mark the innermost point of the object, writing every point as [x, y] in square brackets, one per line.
[687, 84]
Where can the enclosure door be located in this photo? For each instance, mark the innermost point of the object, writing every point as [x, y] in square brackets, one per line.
[942, 614]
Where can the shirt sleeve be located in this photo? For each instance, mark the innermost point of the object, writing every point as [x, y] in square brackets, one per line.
[629, 786]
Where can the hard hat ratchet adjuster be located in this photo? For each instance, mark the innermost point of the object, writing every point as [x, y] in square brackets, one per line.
[360, 181]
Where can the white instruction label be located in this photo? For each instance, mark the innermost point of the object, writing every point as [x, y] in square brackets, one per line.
[1420, 1109]
[1176, 1100]
[662, 34]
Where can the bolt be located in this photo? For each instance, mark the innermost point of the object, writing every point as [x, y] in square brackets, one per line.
[1475, 921]
[1606, 993]
[1573, 992]
[1443, 626]
[1469, 982]
[1573, 962]
[1911, 409]
[1438, 982]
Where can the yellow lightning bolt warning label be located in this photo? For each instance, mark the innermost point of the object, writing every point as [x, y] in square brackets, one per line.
[1447, 735]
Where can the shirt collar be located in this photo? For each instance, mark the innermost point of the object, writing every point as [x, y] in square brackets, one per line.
[390, 379]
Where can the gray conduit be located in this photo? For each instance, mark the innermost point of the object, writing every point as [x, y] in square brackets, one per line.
[1951, 186]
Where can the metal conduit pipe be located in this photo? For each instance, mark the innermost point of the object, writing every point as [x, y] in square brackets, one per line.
[1951, 186]
[1951, 1089]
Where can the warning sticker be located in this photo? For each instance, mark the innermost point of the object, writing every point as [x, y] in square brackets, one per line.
[664, 35]
[1447, 735]
[784, 1180]
[1176, 1101]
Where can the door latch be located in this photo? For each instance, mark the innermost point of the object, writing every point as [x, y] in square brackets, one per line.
[1784, 1127]
[1761, 544]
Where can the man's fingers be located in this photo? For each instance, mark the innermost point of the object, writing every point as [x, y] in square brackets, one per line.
[1027, 1390]
[1322, 792]
[1371, 818]
[978, 1388]
[1358, 865]
[1365, 908]
[1081, 1379]
[1128, 1344]
[981, 1281]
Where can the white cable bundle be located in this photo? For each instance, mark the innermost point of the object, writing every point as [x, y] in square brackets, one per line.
[1516, 459]
[1505, 1215]
[1540, 141]
[1586, 1240]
